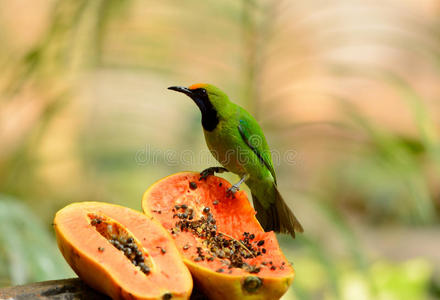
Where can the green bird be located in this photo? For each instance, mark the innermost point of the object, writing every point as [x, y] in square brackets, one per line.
[237, 142]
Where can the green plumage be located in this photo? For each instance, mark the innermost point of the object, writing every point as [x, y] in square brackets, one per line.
[236, 140]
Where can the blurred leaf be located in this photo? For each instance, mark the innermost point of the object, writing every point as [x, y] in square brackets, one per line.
[425, 125]
[389, 157]
[27, 251]
[316, 263]
[404, 281]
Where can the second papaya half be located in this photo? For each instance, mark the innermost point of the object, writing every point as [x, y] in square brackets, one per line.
[223, 245]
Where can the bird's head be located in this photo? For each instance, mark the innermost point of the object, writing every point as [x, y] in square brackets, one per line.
[211, 101]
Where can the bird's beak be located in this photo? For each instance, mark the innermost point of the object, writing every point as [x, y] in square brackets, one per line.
[181, 89]
[200, 101]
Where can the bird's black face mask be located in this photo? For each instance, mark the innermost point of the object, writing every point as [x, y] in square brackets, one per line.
[201, 98]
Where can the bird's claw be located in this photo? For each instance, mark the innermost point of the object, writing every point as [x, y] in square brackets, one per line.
[205, 173]
[211, 171]
[232, 190]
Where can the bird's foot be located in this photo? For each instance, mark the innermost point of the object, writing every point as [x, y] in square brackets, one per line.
[211, 171]
[232, 190]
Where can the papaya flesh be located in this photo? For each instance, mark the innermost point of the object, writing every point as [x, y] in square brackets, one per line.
[121, 252]
[223, 245]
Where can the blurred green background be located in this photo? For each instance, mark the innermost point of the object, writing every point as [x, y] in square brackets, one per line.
[346, 91]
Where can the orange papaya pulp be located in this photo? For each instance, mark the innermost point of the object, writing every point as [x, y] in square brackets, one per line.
[121, 252]
[223, 245]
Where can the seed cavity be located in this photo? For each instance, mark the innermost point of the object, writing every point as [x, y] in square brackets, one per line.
[233, 253]
[252, 283]
[120, 238]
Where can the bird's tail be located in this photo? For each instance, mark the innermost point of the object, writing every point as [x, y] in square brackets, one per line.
[278, 217]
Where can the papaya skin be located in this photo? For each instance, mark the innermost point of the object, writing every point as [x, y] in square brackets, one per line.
[105, 268]
[239, 284]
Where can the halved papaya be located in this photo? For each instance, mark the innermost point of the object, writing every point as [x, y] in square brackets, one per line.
[121, 252]
[224, 246]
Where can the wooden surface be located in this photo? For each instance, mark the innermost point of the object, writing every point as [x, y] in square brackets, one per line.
[67, 289]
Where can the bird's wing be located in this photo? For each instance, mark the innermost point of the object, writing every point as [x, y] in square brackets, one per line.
[253, 136]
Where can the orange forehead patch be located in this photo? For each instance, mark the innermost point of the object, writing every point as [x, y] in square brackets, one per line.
[197, 86]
